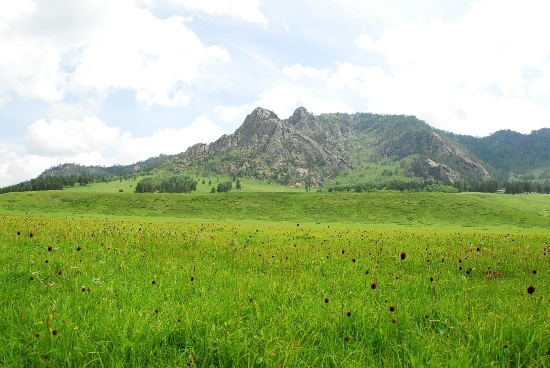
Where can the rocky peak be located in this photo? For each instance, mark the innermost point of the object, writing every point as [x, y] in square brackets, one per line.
[260, 122]
[299, 116]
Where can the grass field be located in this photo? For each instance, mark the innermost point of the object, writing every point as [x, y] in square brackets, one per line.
[273, 279]
[431, 210]
[248, 186]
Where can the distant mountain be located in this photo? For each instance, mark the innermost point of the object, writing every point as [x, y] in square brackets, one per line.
[313, 148]
[106, 171]
[336, 148]
[508, 152]
[267, 148]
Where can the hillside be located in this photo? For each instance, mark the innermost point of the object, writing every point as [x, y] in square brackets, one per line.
[428, 210]
[342, 150]
[308, 149]
[523, 156]
[106, 171]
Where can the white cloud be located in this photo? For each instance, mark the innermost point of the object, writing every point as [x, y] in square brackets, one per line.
[15, 169]
[52, 49]
[284, 99]
[298, 72]
[91, 142]
[233, 113]
[365, 42]
[167, 141]
[247, 10]
[60, 138]
[443, 70]
[473, 75]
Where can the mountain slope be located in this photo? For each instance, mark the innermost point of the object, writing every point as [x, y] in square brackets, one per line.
[308, 149]
[267, 148]
[512, 152]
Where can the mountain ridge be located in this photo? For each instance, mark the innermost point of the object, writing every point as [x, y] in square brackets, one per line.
[308, 149]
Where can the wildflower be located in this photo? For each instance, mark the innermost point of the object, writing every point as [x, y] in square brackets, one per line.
[54, 332]
[348, 314]
[326, 300]
[403, 256]
[392, 308]
[530, 289]
[373, 285]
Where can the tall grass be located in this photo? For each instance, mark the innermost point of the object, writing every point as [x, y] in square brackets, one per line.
[123, 293]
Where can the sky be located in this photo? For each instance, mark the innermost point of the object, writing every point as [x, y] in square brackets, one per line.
[104, 82]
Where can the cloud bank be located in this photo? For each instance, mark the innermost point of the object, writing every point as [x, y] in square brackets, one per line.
[91, 142]
[485, 71]
[54, 49]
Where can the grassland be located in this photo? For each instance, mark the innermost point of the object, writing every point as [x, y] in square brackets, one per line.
[273, 279]
[248, 186]
[432, 210]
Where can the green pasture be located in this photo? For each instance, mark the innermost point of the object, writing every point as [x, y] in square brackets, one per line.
[94, 277]
[393, 209]
[128, 186]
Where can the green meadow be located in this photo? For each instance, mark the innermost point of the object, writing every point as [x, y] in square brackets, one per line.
[271, 276]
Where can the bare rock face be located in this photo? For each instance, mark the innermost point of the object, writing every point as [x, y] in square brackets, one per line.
[429, 143]
[441, 172]
[311, 148]
[274, 143]
[197, 150]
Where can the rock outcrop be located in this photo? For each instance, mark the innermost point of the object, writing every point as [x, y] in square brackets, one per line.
[427, 142]
[314, 147]
[441, 172]
[267, 143]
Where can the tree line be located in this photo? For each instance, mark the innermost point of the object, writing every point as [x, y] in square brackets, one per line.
[58, 182]
[426, 185]
[51, 183]
[172, 184]
[519, 187]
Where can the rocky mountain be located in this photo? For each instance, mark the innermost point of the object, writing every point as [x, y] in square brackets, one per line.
[267, 147]
[308, 149]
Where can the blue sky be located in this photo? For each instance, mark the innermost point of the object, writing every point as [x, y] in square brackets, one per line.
[102, 82]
